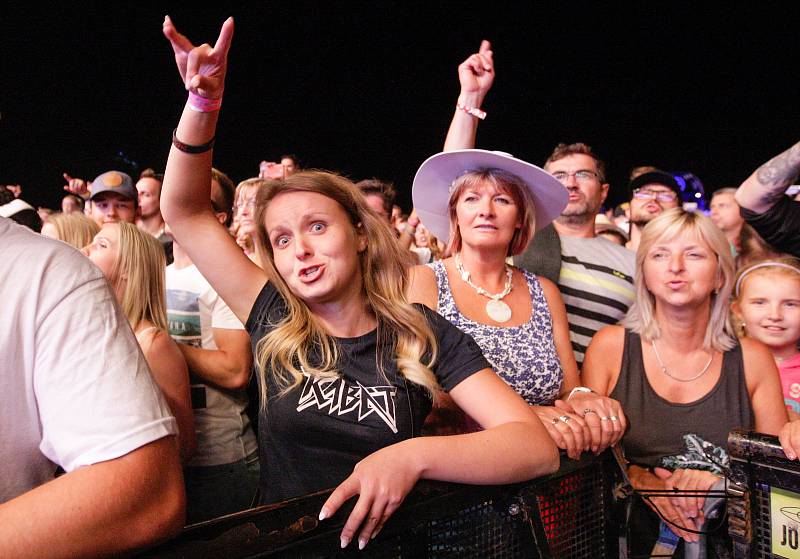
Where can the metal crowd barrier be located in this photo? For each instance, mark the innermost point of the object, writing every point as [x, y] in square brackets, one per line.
[565, 515]
[766, 521]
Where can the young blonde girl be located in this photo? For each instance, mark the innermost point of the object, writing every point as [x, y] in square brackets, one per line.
[134, 264]
[766, 307]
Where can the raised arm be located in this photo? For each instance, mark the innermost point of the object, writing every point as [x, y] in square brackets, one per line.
[766, 185]
[76, 186]
[186, 191]
[476, 75]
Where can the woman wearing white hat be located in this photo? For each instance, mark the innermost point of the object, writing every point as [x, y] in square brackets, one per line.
[488, 204]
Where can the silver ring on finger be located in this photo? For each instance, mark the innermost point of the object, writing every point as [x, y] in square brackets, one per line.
[614, 418]
[565, 418]
[587, 411]
[604, 418]
[554, 421]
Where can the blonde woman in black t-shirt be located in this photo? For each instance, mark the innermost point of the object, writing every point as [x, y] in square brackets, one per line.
[345, 363]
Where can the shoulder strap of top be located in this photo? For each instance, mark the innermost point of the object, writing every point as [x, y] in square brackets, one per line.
[534, 285]
[632, 369]
[538, 299]
[444, 297]
[733, 366]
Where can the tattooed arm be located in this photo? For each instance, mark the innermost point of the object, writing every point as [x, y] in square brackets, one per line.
[762, 190]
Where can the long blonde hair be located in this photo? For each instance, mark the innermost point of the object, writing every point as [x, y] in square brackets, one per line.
[74, 228]
[140, 269]
[285, 353]
[673, 223]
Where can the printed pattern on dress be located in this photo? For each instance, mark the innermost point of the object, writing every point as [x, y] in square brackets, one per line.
[524, 356]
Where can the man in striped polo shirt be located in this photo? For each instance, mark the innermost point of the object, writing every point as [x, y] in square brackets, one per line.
[595, 276]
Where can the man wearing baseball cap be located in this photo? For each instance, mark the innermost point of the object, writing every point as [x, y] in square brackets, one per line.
[114, 198]
[651, 194]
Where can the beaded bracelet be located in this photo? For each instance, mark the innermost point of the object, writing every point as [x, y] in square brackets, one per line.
[471, 111]
[186, 148]
[202, 104]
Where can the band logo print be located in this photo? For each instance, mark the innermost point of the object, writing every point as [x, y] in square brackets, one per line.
[341, 398]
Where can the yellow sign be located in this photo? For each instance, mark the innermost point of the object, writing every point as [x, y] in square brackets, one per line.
[784, 509]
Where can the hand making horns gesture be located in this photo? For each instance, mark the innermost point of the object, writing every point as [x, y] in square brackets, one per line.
[202, 68]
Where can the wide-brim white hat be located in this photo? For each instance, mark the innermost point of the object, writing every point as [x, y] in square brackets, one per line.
[431, 188]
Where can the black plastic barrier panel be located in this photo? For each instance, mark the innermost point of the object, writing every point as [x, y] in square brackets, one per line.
[566, 515]
[766, 521]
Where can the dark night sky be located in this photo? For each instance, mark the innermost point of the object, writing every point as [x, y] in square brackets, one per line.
[368, 88]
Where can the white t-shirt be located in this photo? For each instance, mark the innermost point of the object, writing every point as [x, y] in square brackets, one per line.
[223, 431]
[74, 386]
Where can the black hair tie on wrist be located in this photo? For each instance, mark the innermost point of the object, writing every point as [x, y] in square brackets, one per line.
[186, 148]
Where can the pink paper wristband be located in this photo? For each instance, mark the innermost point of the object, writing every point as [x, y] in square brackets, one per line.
[471, 111]
[203, 105]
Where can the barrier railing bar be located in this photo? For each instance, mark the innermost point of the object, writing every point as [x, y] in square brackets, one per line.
[274, 529]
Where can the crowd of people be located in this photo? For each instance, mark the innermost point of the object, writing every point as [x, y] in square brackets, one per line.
[299, 332]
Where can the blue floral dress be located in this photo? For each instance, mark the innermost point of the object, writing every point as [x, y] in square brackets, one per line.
[524, 356]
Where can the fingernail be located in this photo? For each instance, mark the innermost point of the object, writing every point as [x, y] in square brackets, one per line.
[322, 515]
[790, 455]
[344, 541]
[362, 543]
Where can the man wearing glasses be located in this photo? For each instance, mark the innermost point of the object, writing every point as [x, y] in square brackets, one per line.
[651, 194]
[594, 275]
